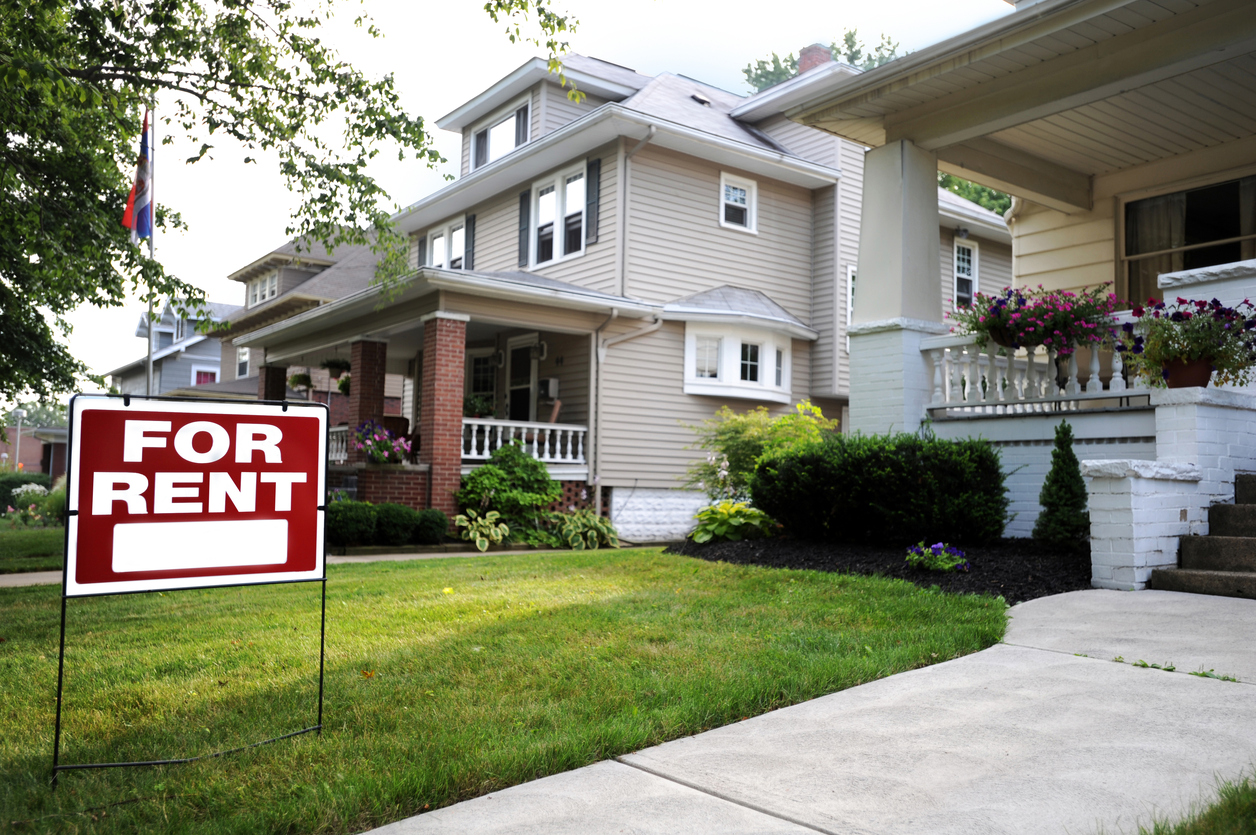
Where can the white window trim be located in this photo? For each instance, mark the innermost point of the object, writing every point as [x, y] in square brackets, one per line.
[493, 120]
[268, 288]
[477, 353]
[971, 244]
[196, 369]
[447, 231]
[559, 181]
[729, 382]
[752, 202]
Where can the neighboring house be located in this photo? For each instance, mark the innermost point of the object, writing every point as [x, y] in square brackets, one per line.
[183, 357]
[1127, 132]
[608, 274]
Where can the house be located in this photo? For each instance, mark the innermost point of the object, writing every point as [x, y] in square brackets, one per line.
[1127, 132]
[607, 274]
[183, 357]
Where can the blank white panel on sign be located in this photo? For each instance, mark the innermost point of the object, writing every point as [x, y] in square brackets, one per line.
[172, 546]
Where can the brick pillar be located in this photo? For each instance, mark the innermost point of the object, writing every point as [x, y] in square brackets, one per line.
[272, 382]
[440, 396]
[366, 387]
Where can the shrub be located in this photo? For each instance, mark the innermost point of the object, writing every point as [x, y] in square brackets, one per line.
[1064, 521]
[350, 523]
[736, 443]
[430, 528]
[54, 504]
[513, 483]
[482, 530]
[10, 480]
[733, 521]
[893, 489]
[580, 529]
[394, 524]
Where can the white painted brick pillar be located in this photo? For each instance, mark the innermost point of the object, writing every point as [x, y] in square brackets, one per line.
[891, 381]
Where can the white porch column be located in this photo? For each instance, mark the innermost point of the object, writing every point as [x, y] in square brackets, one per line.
[898, 290]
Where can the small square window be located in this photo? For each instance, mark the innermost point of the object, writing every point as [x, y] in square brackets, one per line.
[737, 202]
[707, 356]
[749, 362]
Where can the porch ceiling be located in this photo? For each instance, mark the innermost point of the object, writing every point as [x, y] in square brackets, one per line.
[1041, 101]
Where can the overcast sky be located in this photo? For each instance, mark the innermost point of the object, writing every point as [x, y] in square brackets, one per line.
[442, 54]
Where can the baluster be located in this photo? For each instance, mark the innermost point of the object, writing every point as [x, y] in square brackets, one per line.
[936, 356]
[1053, 375]
[1094, 384]
[965, 374]
[956, 393]
[995, 376]
[1073, 387]
[1117, 383]
[579, 453]
[569, 439]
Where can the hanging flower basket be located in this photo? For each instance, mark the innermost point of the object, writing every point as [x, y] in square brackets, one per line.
[1183, 343]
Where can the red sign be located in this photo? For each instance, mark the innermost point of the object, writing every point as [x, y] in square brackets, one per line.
[169, 494]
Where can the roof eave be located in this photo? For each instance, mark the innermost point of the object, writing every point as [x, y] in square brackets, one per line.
[985, 227]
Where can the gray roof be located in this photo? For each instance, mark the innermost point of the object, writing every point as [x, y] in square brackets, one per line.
[533, 280]
[737, 301]
[221, 310]
[605, 69]
[671, 97]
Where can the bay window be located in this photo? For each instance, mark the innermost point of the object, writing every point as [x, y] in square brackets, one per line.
[756, 365]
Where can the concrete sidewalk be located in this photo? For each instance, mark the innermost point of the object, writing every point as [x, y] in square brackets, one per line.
[1029, 736]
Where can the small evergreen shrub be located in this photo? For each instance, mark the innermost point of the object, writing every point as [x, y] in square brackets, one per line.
[1064, 521]
[430, 527]
[10, 480]
[514, 484]
[350, 523]
[888, 489]
[394, 524]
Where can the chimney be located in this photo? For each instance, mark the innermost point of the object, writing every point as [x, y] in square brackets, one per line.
[813, 56]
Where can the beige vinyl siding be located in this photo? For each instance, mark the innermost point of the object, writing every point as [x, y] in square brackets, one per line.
[809, 143]
[824, 285]
[677, 247]
[850, 203]
[558, 110]
[527, 317]
[645, 413]
[1062, 251]
[994, 267]
[568, 360]
[465, 168]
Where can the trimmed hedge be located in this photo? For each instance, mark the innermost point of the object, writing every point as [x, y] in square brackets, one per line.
[889, 489]
[363, 523]
[10, 480]
[394, 523]
[350, 523]
[431, 527]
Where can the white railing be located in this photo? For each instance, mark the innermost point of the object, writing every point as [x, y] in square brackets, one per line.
[338, 444]
[999, 381]
[553, 443]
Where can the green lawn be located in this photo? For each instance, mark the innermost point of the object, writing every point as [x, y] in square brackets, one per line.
[1232, 813]
[31, 549]
[446, 679]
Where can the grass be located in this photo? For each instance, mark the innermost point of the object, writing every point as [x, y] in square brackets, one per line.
[1233, 813]
[31, 549]
[445, 679]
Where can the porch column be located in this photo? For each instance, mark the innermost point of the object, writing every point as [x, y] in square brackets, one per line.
[440, 405]
[272, 382]
[898, 290]
[366, 387]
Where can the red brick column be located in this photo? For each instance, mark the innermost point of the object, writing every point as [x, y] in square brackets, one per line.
[272, 382]
[366, 387]
[440, 400]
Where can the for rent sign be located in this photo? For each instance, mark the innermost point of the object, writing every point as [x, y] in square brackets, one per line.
[171, 494]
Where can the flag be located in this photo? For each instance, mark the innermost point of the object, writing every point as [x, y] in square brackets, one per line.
[139, 205]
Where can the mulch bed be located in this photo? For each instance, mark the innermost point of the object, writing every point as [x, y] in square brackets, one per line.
[1017, 569]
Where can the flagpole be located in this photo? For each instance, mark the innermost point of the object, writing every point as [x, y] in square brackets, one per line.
[152, 234]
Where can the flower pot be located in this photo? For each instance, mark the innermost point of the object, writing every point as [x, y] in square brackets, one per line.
[1188, 373]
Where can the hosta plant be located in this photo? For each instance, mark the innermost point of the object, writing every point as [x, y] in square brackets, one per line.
[580, 529]
[937, 557]
[733, 521]
[482, 530]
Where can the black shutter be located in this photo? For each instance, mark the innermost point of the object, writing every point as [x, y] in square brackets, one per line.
[468, 255]
[525, 224]
[521, 126]
[592, 189]
[422, 258]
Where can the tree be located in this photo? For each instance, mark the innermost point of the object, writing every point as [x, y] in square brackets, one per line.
[771, 71]
[984, 196]
[75, 76]
[1064, 521]
[38, 413]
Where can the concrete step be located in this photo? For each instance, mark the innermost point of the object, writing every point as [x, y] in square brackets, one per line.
[1223, 583]
[1218, 553]
[1245, 488]
[1232, 520]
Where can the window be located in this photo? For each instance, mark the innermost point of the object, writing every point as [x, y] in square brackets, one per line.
[242, 363]
[180, 328]
[965, 272]
[1198, 227]
[437, 250]
[558, 200]
[457, 246]
[482, 372]
[755, 366]
[201, 376]
[738, 197]
[447, 247]
[707, 357]
[164, 339]
[499, 136]
[262, 289]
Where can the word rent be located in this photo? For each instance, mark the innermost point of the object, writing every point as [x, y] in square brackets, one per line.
[198, 491]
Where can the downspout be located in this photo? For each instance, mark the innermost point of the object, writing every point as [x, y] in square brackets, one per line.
[595, 410]
[623, 210]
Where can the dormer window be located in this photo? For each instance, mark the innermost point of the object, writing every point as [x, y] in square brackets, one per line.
[263, 289]
[499, 136]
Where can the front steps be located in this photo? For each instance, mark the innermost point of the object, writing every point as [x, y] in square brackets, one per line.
[1224, 562]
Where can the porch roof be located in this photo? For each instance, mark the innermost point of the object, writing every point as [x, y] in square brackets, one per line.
[1040, 101]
